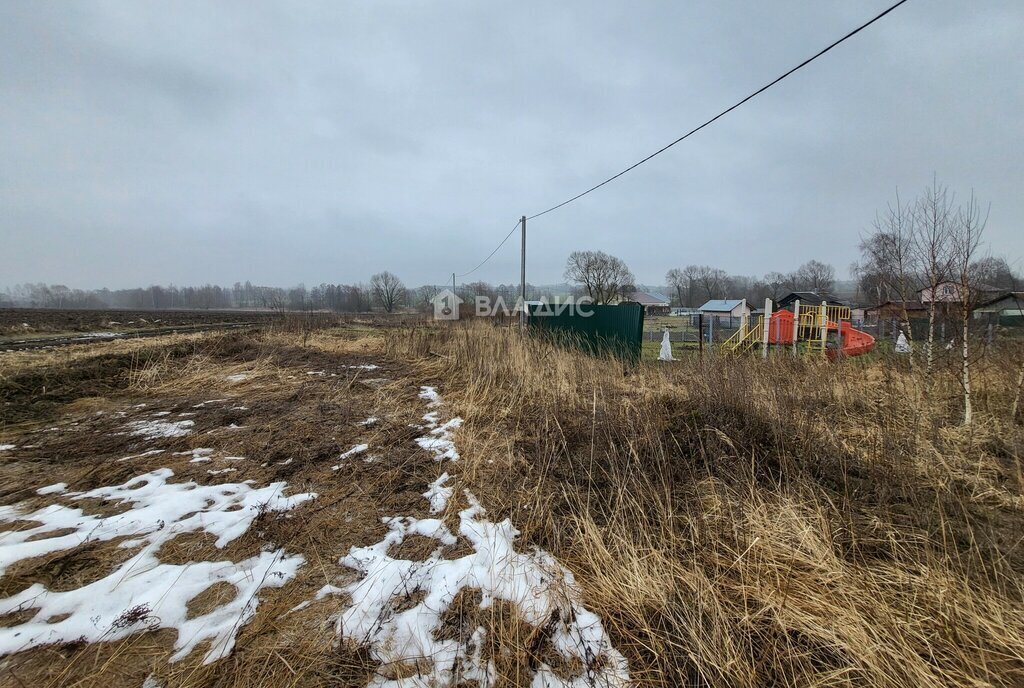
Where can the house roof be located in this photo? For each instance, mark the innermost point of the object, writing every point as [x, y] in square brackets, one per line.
[808, 297]
[976, 287]
[721, 305]
[1015, 295]
[648, 298]
[910, 305]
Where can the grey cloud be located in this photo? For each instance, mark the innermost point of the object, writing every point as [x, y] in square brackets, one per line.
[189, 142]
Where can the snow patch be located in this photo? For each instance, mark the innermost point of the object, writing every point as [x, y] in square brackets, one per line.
[201, 404]
[237, 377]
[543, 591]
[160, 511]
[437, 494]
[439, 442]
[7, 447]
[56, 488]
[151, 452]
[154, 429]
[431, 395]
[144, 593]
[357, 449]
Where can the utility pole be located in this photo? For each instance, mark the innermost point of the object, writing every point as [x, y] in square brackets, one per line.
[522, 275]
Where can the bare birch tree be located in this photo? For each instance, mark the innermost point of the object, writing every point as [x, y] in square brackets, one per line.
[932, 218]
[965, 240]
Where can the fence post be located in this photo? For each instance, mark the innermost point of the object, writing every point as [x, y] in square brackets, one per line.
[766, 323]
[700, 334]
[796, 325]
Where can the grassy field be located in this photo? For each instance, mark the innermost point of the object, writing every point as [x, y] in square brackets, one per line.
[714, 522]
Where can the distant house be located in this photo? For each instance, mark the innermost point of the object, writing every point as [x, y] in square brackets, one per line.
[654, 304]
[1009, 303]
[806, 298]
[894, 310]
[726, 308]
[949, 292]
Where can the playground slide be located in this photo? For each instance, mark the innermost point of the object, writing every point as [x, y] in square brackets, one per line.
[855, 342]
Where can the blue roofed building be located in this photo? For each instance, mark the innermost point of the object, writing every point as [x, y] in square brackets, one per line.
[726, 308]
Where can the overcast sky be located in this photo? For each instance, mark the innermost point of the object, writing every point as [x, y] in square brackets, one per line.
[191, 142]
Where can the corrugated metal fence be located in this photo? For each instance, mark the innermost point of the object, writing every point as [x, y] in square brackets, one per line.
[599, 329]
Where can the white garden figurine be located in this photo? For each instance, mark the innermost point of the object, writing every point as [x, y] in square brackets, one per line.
[902, 345]
[666, 349]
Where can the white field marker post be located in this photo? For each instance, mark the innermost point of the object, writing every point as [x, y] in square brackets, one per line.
[824, 325]
[765, 323]
[796, 325]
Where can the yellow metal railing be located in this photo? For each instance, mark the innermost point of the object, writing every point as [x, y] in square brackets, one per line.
[815, 317]
[745, 338]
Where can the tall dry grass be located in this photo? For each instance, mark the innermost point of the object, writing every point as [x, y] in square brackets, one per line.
[748, 523]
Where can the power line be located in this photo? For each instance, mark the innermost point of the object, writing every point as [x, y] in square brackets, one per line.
[491, 254]
[722, 113]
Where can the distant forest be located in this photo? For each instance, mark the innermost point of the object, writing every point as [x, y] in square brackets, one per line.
[336, 297]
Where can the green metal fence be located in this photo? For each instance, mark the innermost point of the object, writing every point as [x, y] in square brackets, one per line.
[617, 330]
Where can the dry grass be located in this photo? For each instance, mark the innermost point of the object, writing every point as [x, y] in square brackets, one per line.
[751, 524]
[734, 523]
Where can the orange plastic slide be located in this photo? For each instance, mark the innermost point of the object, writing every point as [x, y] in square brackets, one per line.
[855, 342]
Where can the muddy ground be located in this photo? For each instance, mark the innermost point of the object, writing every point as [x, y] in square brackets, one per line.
[30, 321]
[256, 410]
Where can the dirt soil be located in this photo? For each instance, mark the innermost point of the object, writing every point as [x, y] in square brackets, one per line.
[262, 409]
[28, 321]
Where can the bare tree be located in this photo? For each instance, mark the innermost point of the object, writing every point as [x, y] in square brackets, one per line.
[965, 233]
[387, 290]
[816, 276]
[932, 218]
[425, 296]
[774, 283]
[678, 280]
[690, 273]
[993, 271]
[889, 256]
[710, 280]
[603, 277]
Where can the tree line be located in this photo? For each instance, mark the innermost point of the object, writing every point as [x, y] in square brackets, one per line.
[384, 290]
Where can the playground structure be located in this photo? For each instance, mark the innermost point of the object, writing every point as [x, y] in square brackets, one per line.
[813, 330]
